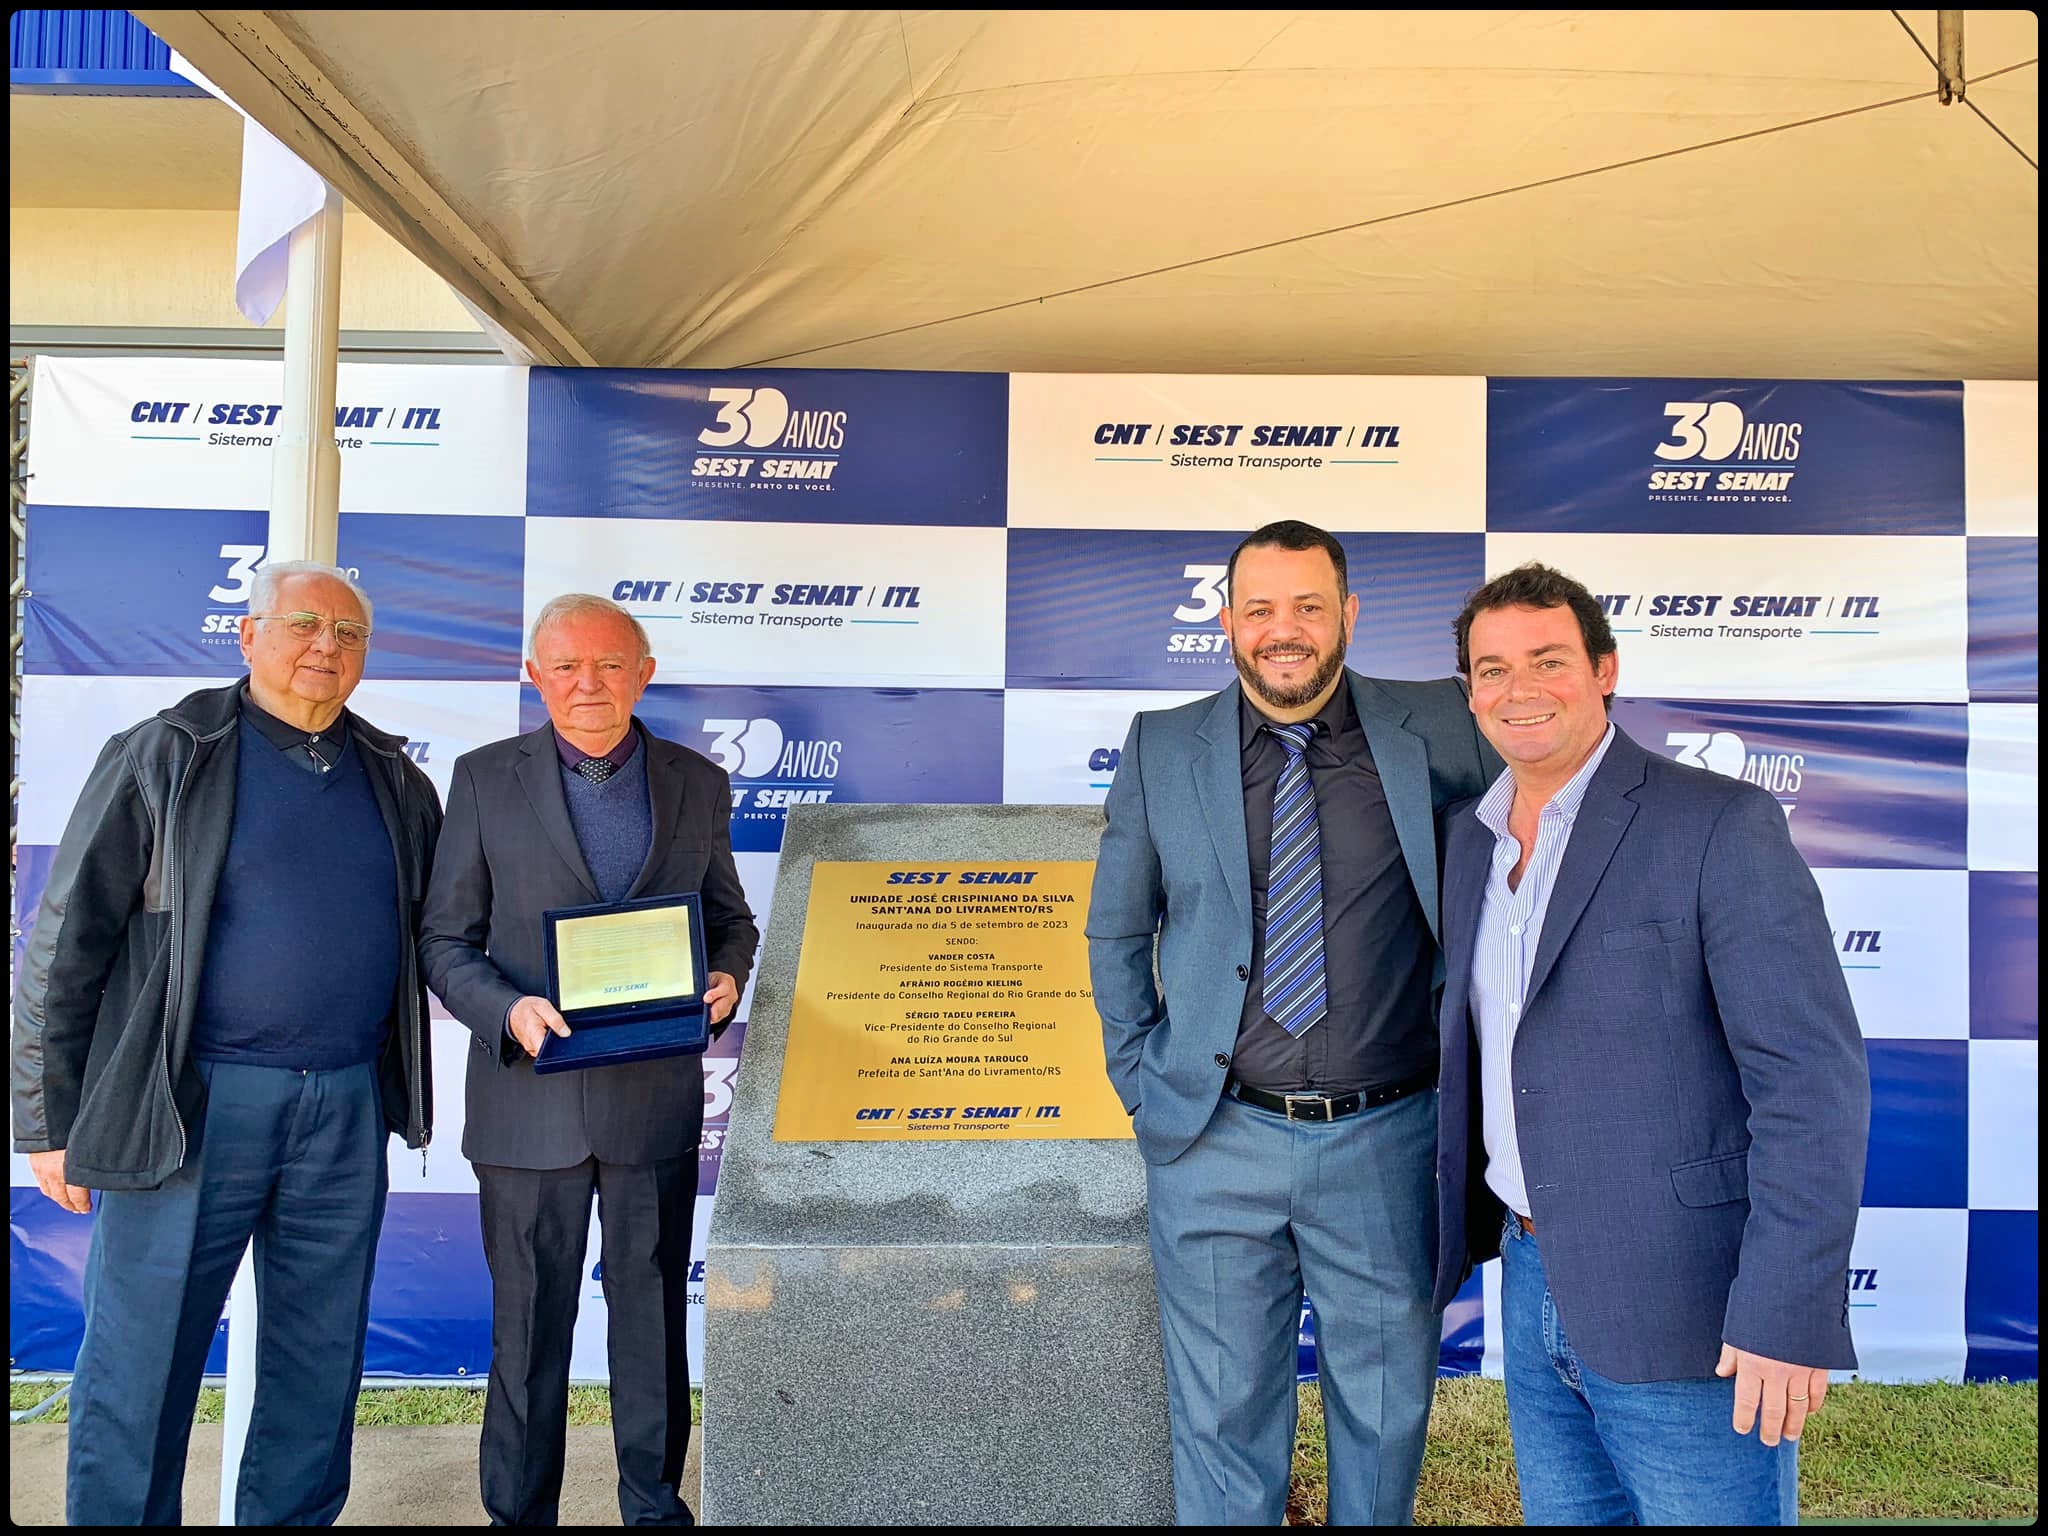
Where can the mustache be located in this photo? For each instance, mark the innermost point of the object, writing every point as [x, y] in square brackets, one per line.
[1327, 665]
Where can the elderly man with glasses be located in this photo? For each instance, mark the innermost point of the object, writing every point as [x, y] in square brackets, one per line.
[591, 808]
[219, 1017]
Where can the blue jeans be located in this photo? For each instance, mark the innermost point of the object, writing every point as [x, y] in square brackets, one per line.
[1590, 1451]
[1257, 1208]
[294, 1160]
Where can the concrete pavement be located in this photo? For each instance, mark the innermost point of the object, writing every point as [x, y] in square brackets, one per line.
[404, 1475]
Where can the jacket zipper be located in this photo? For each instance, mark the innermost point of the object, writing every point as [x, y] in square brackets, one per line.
[174, 895]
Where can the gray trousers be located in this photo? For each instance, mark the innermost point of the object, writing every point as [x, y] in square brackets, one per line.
[1258, 1209]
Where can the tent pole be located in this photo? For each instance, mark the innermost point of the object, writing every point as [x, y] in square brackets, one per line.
[1948, 55]
[305, 501]
[305, 473]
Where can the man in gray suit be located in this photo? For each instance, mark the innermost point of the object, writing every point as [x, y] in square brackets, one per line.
[588, 808]
[1655, 1094]
[1278, 843]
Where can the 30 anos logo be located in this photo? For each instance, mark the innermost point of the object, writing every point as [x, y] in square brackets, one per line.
[719, 1072]
[718, 1085]
[764, 418]
[796, 772]
[748, 749]
[1724, 752]
[218, 627]
[1205, 601]
[1716, 431]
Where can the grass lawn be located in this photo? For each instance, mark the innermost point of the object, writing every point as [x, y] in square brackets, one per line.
[377, 1405]
[1936, 1452]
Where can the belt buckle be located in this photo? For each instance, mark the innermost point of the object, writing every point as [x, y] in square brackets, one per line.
[1307, 1098]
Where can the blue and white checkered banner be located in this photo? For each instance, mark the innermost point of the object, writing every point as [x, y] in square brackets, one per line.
[955, 588]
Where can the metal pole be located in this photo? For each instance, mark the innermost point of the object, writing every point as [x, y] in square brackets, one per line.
[305, 472]
[305, 504]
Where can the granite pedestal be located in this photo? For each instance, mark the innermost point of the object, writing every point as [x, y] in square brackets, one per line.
[902, 1332]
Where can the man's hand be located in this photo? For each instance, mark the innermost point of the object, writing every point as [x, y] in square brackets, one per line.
[1787, 1394]
[48, 1168]
[532, 1020]
[721, 997]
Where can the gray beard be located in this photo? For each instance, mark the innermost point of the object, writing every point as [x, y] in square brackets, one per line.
[1290, 698]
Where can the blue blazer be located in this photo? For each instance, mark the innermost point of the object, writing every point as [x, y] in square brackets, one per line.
[1174, 867]
[1692, 1094]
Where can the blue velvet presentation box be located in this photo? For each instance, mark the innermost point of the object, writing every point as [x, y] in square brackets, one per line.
[632, 997]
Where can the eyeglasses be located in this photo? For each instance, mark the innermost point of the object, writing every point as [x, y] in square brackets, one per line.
[349, 634]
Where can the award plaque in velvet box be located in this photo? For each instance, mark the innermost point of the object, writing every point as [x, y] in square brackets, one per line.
[629, 980]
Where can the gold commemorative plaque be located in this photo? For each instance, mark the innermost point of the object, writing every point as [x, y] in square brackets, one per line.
[946, 1001]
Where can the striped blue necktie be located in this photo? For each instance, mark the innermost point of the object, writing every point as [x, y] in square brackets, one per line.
[1295, 994]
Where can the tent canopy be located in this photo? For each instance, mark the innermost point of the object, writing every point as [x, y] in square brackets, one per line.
[1760, 193]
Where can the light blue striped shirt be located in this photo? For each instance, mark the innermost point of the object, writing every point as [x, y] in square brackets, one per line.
[1504, 953]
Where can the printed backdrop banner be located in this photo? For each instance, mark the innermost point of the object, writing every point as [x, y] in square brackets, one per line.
[1126, 608]
[1724, 457]
[1173, 451]
[889, 588]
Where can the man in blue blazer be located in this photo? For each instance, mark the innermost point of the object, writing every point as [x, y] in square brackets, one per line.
[1277, 841]
[1655, 1098]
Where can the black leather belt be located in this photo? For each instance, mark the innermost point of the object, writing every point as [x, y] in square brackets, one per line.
[1328, 1106]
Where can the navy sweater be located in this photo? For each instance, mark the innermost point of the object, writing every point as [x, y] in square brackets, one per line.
[302, 953]
[614, 823]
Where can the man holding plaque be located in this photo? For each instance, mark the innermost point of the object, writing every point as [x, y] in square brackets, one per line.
[590, 809]
[1278, 842]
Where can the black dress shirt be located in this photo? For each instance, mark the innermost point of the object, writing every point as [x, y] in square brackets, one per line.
[621, 753]
[1376, 946]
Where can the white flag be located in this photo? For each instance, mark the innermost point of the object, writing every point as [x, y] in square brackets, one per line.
[279, 193]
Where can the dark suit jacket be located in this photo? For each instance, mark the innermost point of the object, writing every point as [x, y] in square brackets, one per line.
[507, 854]
[1174, 867]
[1692, 1094]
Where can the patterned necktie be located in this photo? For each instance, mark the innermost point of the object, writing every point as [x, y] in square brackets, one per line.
[597, 769]
[1295, 995]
